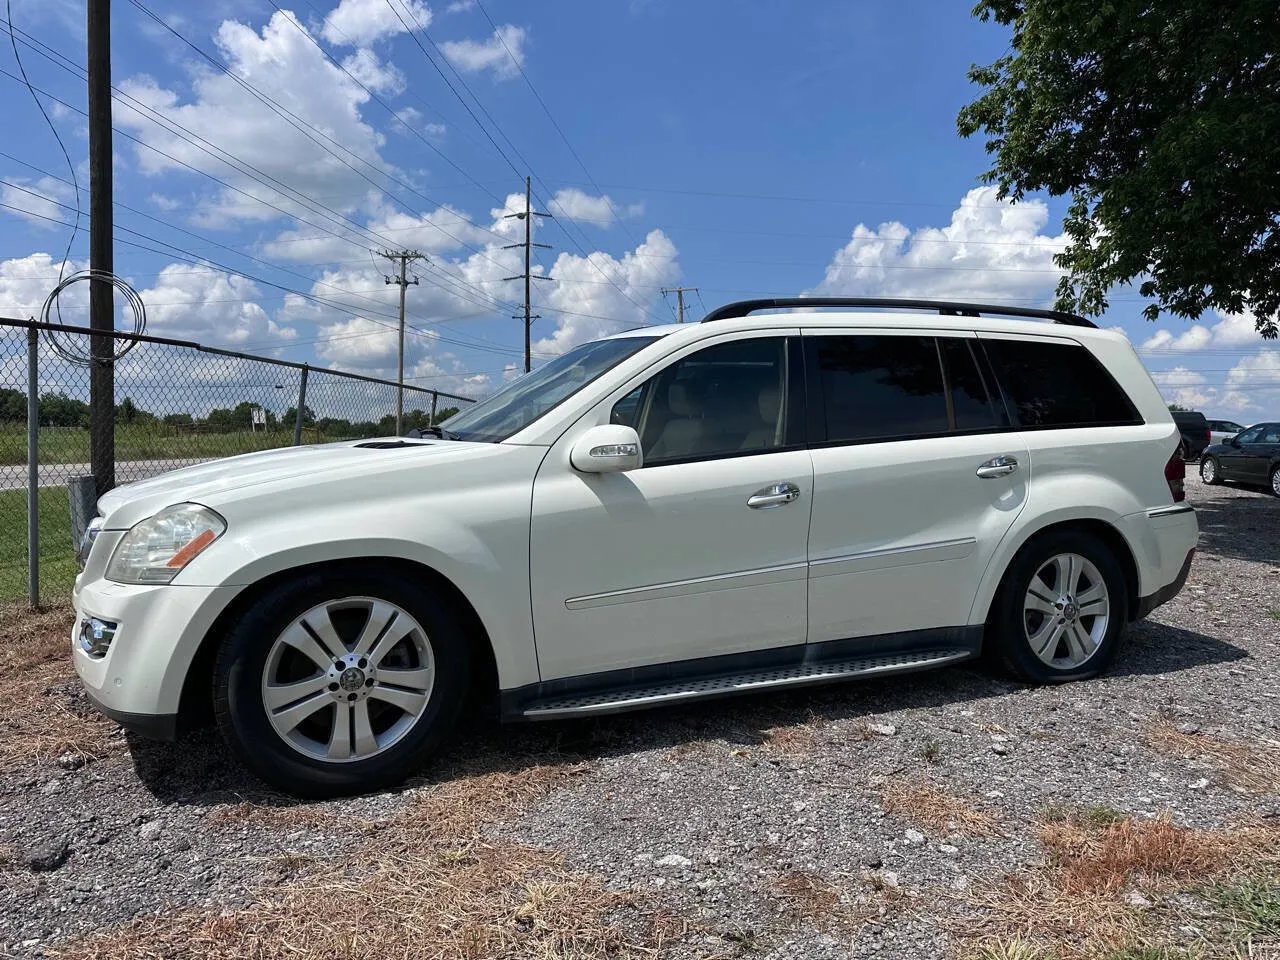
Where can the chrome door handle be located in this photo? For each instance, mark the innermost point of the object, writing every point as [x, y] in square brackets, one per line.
[998, 467]
[774, 495]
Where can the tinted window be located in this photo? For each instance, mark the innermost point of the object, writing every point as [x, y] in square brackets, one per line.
[875, 387]
[1270, 435]
[1058, 385]
[1251, 435]
[970, 399]
[725, 400]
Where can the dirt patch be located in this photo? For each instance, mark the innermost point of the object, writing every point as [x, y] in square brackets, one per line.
[1252, 768]
[44, 713]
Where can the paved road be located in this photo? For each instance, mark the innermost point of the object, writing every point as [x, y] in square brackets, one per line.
[56, 474]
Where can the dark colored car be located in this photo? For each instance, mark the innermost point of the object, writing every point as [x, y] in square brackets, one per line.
[1195, 433]
[1252, 456]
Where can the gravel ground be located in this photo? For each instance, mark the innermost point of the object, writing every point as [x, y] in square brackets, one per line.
[773, 825]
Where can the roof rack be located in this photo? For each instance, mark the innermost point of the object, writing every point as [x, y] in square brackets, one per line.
[742, 308]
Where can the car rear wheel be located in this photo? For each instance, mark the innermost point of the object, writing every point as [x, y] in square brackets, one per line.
[1209, 472]
[1060, 609]
[337, 684]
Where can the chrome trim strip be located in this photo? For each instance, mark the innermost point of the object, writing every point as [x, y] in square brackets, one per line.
[893, 557]
[683, 588]
[802, 675]
[1171, 510]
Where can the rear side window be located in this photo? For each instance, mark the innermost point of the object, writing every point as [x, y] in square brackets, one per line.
[880, 387]
[1058, 385]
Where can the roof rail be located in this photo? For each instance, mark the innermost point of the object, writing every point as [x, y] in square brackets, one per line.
[742, 308]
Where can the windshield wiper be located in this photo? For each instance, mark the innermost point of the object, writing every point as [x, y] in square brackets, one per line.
[440, 432]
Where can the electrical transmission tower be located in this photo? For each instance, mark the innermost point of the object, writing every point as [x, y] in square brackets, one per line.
[679, 292]
[527, 216]
[405, 257]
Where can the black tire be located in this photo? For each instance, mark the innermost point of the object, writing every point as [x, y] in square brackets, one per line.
[1274, 480]
[1006, 628]
[1216, 469]
[242, 657]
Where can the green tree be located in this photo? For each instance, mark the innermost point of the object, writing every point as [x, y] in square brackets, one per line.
[1177, 408]
[59, 410]
[13, 406]
[445, 414]
[178, 419]
[1161, 122]
[291, 415]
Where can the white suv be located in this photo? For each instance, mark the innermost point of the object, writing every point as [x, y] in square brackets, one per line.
[668, 514]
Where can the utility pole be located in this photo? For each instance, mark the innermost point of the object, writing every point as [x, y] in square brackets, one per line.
[679, 292]
[527, 217]
[102, 393]
[404, 256]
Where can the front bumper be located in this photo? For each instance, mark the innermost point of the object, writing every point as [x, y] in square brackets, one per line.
[138, 681]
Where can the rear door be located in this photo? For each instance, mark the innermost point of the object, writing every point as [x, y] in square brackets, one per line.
[1263, 453]
[916, 480]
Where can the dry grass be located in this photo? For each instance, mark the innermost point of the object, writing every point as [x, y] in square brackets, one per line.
[1075, 905]
[424, 883]
[39, 721]
[808, 895]
[793, 739]
[1252, 768]
[936, 810]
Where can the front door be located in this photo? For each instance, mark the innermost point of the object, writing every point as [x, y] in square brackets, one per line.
[914, 485]
[1238, 459]
[688, 556]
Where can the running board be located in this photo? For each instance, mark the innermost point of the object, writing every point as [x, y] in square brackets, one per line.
[637, 698]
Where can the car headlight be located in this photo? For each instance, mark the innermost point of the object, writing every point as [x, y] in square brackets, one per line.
[157, 549]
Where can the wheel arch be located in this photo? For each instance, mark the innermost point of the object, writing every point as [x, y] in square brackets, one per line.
[1101, 529]
[195, 706]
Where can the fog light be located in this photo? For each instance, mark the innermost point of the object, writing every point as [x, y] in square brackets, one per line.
[96, 636]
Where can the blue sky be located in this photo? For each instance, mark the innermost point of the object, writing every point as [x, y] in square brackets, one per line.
[729, 147]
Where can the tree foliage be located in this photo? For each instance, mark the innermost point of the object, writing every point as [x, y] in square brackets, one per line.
[1161, 120]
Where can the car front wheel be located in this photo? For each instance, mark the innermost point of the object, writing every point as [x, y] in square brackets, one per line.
[1209, 472]
[1060, 610]
[333, 684]
[1275, 480]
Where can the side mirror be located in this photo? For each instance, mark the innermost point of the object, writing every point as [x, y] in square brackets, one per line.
[608, 448]
[1234, 441]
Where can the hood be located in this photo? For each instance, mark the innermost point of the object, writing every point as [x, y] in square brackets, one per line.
[211, 481]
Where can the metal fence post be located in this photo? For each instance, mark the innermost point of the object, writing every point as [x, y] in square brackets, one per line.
[33, 467]
[302, 405]
[434, 398]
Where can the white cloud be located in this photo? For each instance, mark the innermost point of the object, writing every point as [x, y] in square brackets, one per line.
[362, 22]
[381, 77]
[1231, 330]
[25, 282]
[200, 303]
[460, 6]
[1249, 391]
[38, 201]
[162, 202]
[412, 117]
[573, 204]
[991, 251]
[604, 294]
[503, 52]
[1185, 387]
[286, 66]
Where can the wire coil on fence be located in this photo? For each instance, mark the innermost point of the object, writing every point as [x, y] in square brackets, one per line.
[79, 350]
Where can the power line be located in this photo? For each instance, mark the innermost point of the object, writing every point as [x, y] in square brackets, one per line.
[679, 292]
[405, 257]
[528, 275]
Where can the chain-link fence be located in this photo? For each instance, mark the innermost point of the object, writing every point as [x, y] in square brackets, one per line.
[176, 403]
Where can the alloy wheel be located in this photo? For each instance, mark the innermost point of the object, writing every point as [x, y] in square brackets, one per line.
[1208, 471]
[348, 679]
[1275, 481]
[1066, 611]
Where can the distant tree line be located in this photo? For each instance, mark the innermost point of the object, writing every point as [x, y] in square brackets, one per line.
[59, 410]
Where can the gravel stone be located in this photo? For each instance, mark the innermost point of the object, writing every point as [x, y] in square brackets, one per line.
[704, 809]
[48, 857]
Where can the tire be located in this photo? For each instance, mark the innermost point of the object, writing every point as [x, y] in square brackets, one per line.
[1210, 472]
[1015, 625]
[408, 695]
[1275, 480]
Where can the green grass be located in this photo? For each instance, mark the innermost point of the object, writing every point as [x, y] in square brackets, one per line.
[57, 559]
[1253, 905]
[143, 442]
[1095, 815]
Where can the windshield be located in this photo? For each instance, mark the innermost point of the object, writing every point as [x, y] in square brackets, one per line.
[523, 401]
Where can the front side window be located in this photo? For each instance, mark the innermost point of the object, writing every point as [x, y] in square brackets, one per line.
[727, 400]
[878, 387]
[1058, 385]
[1251, 435]
[523, 401]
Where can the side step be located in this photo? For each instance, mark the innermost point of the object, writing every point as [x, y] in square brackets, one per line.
[636, 698]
